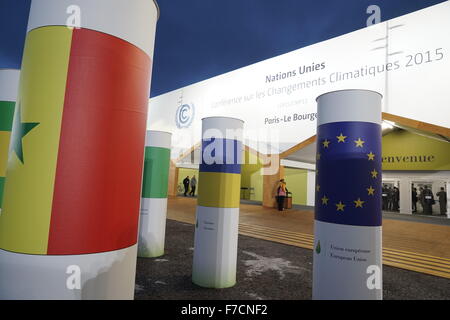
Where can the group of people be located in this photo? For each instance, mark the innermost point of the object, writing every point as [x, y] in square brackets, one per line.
[189, 183]
[426, 199]
[391, 198]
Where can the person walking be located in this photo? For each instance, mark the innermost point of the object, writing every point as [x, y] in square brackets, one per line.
[186, 185]
[442, 195]
[281, 194]
[193, 186]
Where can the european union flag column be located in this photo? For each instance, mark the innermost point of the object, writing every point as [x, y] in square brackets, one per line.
[152, 223]
[217, 220]
[9, 85]
[347, 228]
[69, 223]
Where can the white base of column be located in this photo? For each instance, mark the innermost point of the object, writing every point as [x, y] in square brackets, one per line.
[341, 268]
[152, 227]
[107, 275]
[215, 248]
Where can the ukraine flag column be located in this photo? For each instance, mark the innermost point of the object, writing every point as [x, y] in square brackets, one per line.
[347, 227]
[69, 224]
[217, 219]
[9, 84]
[152, 224]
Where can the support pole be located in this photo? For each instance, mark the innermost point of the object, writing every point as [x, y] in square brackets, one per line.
[217, 219]
[347, 243]
[152, 223]
[69, 224]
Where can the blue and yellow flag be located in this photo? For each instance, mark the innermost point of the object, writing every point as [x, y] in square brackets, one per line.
[348, 183]
[220, 173]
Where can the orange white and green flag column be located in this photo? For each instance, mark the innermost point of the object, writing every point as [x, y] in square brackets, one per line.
[217, 218]
[69, 222]
[9, 84]
[152, 223]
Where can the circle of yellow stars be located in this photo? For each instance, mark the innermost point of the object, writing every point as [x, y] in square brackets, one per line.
[359, 143]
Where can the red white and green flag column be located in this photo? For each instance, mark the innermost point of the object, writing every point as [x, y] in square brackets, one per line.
[9, 85]
[347, 228]
[152, 223]
[69, 222]
[217, 218]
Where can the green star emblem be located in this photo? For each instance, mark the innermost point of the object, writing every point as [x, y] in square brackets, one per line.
[20, 130]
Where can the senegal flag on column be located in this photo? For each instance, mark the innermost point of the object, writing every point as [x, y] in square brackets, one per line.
[74, 171]
[9, 83]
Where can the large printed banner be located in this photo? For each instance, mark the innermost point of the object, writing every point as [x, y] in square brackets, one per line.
[405, 59]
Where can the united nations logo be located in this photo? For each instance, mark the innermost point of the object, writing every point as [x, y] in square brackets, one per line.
[185, 115]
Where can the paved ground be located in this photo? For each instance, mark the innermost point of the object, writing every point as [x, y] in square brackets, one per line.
[266, 270]
[411, 236]
[434, 219]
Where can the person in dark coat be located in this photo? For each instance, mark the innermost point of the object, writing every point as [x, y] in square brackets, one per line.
[414, 199]
[186, 185]
[384, 195]
[390, 198]
[428, 200]
[442, 195]
[396, 199]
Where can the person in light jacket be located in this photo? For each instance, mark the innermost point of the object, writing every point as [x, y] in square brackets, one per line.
[281, 194]
[193, 186]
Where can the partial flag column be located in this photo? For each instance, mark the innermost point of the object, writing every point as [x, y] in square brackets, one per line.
[152, 223]
[347, 229]
[69, 222]
[9, 85]
[217, 218]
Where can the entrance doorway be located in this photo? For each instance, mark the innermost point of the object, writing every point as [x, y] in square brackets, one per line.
[425, 200]
[390, 196]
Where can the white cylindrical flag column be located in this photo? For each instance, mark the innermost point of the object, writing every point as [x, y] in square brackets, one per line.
[69, 223]
[347, 228]
[9, 86]
[217, 219]
[152, 223]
